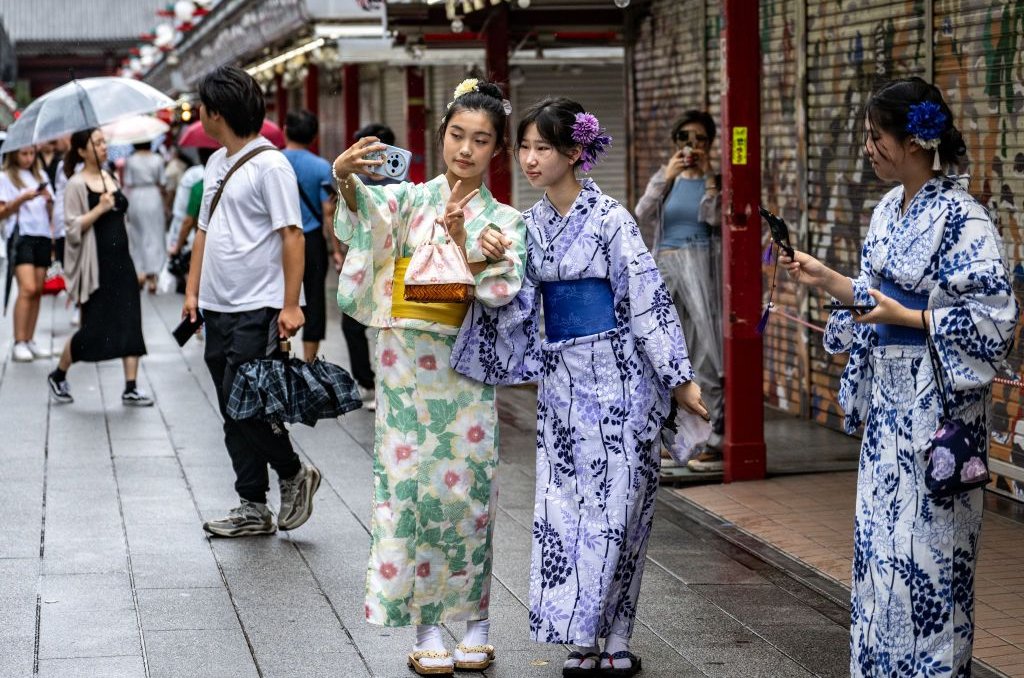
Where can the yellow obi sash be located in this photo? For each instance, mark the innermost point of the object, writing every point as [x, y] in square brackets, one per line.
[444, 314]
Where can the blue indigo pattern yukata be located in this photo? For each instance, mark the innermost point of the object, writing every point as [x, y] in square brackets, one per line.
[912, 611]
[613, 352]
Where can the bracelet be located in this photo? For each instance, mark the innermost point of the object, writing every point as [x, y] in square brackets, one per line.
[346, 183]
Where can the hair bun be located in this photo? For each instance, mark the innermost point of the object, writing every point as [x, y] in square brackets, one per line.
[490, 89]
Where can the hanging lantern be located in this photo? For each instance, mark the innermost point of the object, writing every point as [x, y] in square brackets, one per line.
[186, 27]
[184, 10]
[167, 11]
[164, 35]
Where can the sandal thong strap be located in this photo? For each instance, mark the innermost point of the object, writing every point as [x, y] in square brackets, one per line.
[431, 654]
[475, 649]
[621, 654]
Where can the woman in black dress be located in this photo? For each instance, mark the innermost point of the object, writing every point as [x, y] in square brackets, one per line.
[101, 276]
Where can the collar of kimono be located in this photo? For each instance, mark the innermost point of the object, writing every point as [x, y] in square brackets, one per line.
[569, 225]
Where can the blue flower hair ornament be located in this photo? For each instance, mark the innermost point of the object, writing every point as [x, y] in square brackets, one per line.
[587, 132]
[925, 123]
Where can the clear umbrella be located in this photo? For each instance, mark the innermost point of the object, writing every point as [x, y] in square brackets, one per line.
[134, 130]
[82, 104]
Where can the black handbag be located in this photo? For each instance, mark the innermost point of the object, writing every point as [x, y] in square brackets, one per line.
[957, 460]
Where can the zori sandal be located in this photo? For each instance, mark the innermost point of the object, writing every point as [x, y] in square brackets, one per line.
[421, 669]
[586, 665]
[486, 650]
[622, 671]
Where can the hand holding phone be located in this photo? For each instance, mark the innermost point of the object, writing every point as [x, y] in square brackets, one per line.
[184, 331]
[856, 308]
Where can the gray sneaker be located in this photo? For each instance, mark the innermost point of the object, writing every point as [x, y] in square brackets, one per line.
[136, 398]
[242, 521]
[297, 497]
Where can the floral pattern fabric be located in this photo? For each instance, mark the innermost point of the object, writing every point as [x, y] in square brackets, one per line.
[436, 431]
[602, 400]
[912, 610]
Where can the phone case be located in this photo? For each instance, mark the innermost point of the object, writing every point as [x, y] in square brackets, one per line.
[396, 162]
[184, 331]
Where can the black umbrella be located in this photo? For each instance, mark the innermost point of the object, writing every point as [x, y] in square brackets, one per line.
[12, 242]
[286, 389]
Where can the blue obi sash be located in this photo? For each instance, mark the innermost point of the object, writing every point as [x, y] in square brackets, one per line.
[577, 308]
[892, 335]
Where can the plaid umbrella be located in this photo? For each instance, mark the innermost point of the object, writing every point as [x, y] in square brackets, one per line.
[283, 389]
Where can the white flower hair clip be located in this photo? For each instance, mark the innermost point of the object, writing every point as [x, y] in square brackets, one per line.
[465, 87]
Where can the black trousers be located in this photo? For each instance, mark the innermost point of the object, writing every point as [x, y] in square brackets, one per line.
[232, 339]
[314, 279]
[358, 350]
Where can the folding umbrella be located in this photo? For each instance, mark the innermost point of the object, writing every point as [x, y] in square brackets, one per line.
[196, 137]
[135, 130]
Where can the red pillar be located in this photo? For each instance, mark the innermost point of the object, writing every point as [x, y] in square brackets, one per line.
[313, 97]
[280, 99]
[744, 447]
[496, 51]
[416, 121]
[350, 94]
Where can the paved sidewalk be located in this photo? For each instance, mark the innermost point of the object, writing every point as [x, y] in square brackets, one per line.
[105, 571]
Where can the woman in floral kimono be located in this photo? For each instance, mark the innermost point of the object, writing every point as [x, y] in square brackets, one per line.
[931, 267]
[611, 361]
[436, 431]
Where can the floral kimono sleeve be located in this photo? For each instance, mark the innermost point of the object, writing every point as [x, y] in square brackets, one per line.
[372, 233]
[973, 334]
[643, 305]
[499, 282]
[841, 333]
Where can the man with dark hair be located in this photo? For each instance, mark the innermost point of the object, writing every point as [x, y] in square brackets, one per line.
[246, 276]
[313, 174]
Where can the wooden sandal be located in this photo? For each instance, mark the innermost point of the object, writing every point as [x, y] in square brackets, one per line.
[487, 650]
[578, 671]
[415, 665]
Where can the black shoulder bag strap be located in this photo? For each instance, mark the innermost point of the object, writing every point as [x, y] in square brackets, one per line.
[223, 182]
[310, 205]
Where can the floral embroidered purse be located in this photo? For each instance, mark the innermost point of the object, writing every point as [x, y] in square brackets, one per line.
[438, 273]
[957, 462]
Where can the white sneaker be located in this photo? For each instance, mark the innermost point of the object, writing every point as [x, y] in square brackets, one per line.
[369, 398]
[22, 353]
[38, 351]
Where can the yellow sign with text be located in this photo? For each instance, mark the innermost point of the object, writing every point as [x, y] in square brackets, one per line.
[739, 145]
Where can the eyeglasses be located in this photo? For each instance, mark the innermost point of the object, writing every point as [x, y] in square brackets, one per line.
[692, 137]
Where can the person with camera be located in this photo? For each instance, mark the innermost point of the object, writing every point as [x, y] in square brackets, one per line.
[246, 276]
[927, 323]
[100, 273]
[682, 208]
[25, 197]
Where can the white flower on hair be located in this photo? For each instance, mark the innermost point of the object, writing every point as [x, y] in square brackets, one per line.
[466, 86]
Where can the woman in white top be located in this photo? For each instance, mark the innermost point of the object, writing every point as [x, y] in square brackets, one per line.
[26, 198]
[147, 222]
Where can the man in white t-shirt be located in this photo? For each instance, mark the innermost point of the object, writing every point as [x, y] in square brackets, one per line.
[246, 276]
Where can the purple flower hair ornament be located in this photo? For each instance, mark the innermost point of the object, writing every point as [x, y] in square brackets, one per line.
[587, 132]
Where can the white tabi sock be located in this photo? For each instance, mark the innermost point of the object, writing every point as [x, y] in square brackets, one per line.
[428, 639]
[616, 643]
[476, 634]
[589, 663]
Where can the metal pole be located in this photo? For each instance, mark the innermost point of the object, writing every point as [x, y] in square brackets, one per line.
[350, 95]
[312, 90]
[744, 449]
[416, 121]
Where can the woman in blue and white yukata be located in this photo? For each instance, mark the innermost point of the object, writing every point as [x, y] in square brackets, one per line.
[931, 266]
[612, 359]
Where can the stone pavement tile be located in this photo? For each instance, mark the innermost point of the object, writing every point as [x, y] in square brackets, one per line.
[17, 654]
[88, 633]
[79, 592]
[183, 570]
[85, 554]
[93, 667]
[759, 605]
[310, 661]
[709, 567]
[142, 447]
[740, 654]
[659, 659]
[134, 469]
[186, 609]
[20, 540]
[824, 650]
[206, 653]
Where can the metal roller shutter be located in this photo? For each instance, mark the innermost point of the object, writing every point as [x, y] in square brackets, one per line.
[785, 342]
[393, 109]
[851, 47]
[977, 45]
[441, 83]
[601, 90]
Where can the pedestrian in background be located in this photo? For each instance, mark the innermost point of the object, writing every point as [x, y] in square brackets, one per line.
[26, 197]
[246, 276]
[192, 177]
[144, 184]
[932, 276]
[355, 331]
[101, 276]
[57, 181]
[682, 207]
[435, 449]
[315, 184]
[612, 360]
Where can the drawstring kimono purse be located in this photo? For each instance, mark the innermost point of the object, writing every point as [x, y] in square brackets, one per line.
[438, 273]
[956, 462]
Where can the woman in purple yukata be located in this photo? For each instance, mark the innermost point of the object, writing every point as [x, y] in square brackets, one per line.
[612, 359]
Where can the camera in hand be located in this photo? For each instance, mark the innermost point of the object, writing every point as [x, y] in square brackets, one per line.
[396, 162]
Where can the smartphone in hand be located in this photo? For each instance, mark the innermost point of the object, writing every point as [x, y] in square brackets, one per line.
[856, 308]
[184, 331]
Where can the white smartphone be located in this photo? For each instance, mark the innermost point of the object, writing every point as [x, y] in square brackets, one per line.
[395, 165]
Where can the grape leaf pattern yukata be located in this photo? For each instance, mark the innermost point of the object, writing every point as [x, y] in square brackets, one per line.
[912, 611]
[602, 400]
[436, 431]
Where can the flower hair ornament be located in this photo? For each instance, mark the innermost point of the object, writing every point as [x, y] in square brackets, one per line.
[925, 123]
[587, 132]
[473, 85]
